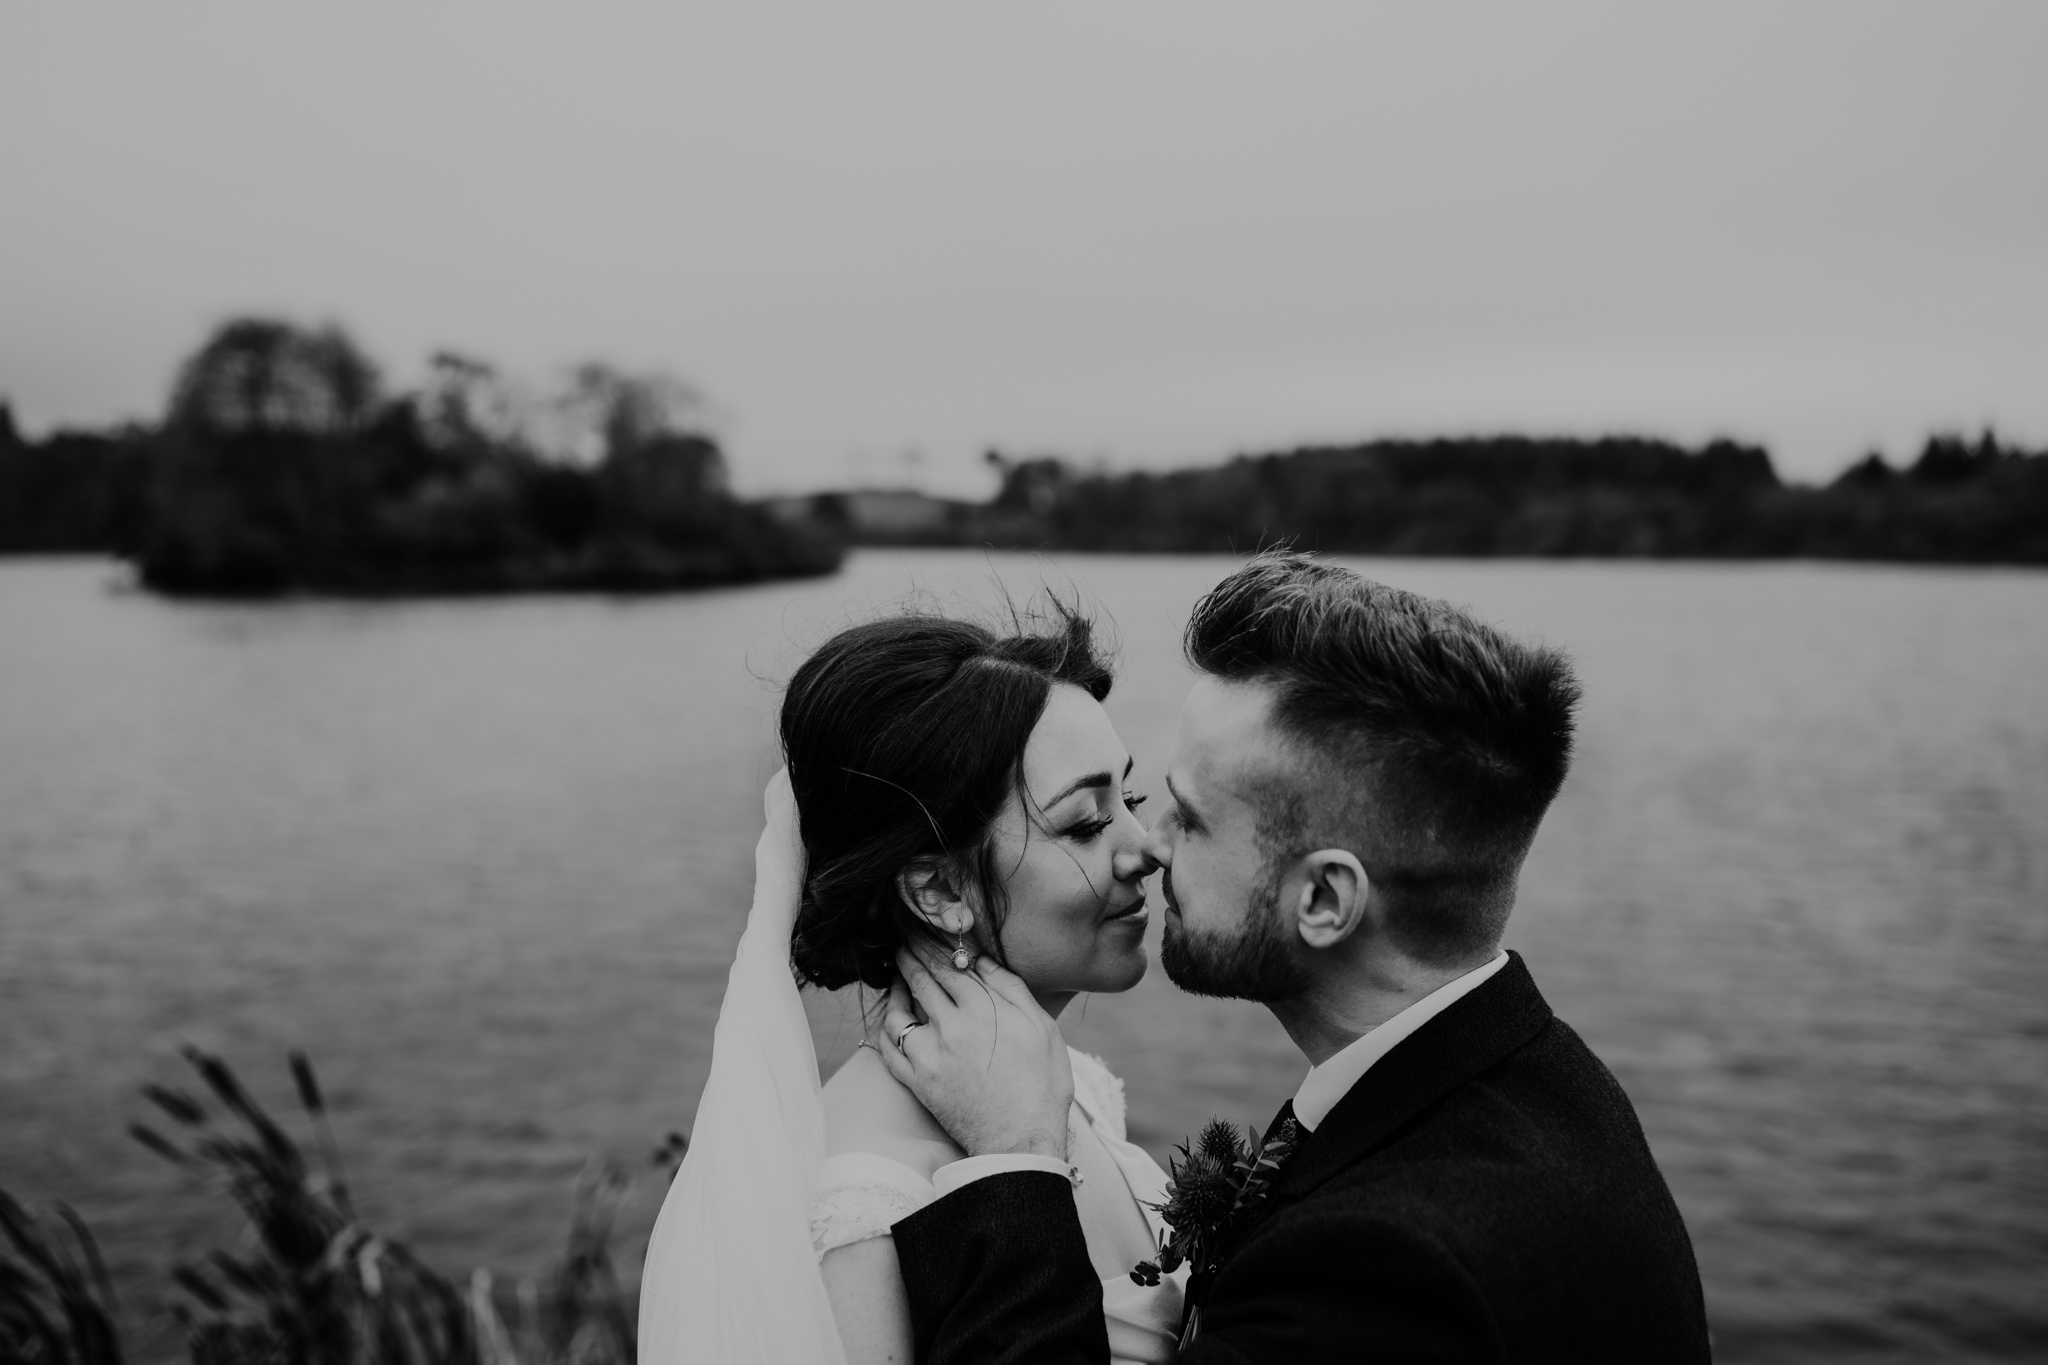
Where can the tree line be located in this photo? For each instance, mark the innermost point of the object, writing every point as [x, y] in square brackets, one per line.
[282, 464]
[1960, 501]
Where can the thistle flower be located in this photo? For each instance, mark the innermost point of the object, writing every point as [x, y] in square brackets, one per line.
[1204, 1197]
[1220, 1143]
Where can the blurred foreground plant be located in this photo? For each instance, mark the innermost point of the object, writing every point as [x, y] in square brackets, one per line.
[56, 1307]
[315, 1287]
[312, 1285]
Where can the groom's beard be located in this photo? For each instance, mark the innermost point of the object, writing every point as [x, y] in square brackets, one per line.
[1254, 960]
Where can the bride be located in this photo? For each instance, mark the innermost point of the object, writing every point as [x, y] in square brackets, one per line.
[964, 793]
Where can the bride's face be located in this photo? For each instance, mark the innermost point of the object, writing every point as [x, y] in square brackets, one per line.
[1071, 856]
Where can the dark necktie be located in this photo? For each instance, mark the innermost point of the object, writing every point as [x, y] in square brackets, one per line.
[1285, 1129]
[1284, 1125]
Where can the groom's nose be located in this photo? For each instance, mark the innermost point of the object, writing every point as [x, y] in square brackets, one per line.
[1158, 848]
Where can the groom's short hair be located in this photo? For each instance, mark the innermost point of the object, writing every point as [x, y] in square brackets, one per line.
[1424, 740]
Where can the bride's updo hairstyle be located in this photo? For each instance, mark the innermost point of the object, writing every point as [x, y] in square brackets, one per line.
[904, 738]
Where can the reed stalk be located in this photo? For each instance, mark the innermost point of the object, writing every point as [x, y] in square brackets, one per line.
[310, 1284]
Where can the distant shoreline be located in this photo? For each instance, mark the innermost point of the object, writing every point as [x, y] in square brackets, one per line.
[1490, 497]
[385, 513]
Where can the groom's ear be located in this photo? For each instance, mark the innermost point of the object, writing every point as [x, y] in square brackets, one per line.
[1333, 897]
[929, 887]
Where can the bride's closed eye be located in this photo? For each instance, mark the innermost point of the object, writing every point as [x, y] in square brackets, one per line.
[1087, 831]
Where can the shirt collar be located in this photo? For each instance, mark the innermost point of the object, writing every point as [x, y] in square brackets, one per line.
[1330, 1082]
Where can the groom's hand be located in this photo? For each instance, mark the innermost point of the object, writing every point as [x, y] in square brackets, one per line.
[987, 1062]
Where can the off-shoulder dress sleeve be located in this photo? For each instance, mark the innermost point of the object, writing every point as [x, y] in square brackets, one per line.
[859, 1194]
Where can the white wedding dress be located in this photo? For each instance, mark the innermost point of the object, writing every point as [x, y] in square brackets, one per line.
[732, 1276]
[860, 1194]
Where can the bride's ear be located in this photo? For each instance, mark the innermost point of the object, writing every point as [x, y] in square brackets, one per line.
[930, 888]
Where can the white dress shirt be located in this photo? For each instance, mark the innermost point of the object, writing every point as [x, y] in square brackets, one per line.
[1332, 1081]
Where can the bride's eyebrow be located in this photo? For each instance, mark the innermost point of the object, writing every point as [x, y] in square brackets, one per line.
[1101, 779]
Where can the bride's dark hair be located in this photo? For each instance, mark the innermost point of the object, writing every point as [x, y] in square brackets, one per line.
[904, 737]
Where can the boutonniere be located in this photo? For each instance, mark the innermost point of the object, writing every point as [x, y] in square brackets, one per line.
[1212, 1191]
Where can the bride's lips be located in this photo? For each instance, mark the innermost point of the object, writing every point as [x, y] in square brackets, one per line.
[1134, 911]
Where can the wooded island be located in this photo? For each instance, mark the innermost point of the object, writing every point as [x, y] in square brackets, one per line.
[282, 467]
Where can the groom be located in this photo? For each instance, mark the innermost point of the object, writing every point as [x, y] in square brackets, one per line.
[1357, 778]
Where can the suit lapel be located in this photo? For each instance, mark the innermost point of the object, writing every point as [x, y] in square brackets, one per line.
[1496, 1019]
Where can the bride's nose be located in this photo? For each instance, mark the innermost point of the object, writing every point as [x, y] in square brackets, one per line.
[1133, 862]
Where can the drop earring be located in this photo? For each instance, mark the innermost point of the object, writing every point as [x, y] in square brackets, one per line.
[963, 958]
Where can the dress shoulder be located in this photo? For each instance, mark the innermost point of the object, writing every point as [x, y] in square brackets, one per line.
[1099, 1091]
[860, 1195]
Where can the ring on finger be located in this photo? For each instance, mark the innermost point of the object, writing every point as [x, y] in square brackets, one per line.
[904, 1032]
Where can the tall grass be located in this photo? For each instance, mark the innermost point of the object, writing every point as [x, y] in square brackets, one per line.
[56, 1303]
[311, 1283]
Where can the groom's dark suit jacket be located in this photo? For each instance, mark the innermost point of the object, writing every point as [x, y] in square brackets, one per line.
[1483, 1193]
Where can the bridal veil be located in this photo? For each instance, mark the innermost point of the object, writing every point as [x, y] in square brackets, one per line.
[731, 1275]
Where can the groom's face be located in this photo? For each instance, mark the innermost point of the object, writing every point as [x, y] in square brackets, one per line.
[1226, 933]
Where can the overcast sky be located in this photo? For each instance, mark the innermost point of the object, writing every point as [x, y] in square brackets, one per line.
[885, 237]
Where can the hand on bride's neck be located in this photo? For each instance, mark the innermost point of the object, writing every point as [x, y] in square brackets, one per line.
[867, 1110]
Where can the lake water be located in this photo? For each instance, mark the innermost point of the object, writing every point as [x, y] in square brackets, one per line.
[487, 860]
